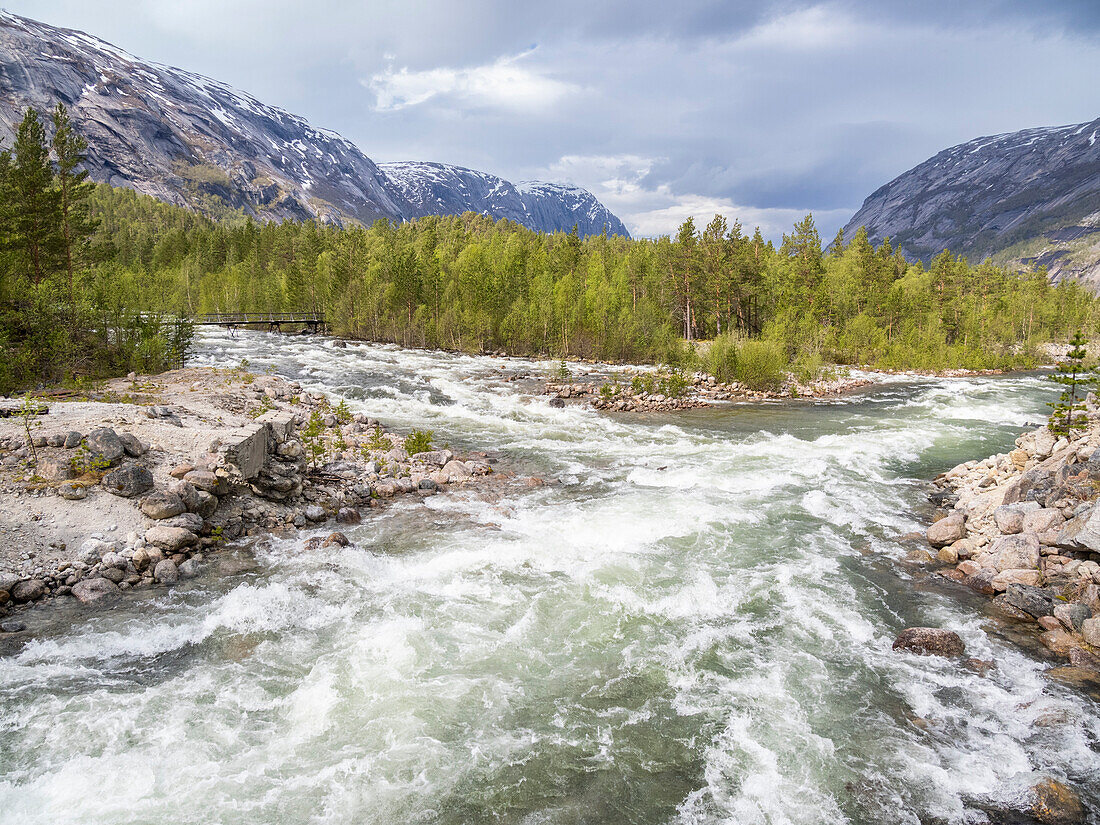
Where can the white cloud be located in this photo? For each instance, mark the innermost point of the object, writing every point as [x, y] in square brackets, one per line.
[619, 181]
[808, 29]
[669, 211]
[505, 83]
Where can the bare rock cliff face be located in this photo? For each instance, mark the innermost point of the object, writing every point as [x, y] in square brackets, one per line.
[1025, 198]
[195, 142]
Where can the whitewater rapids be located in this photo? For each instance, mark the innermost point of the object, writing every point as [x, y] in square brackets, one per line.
[690, 624]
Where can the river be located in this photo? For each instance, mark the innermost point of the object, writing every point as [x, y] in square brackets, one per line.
[691, 622]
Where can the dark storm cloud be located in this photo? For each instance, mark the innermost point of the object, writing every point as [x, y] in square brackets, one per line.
[760, 110]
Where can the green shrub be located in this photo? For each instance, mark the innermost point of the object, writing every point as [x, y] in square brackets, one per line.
[721, 359]
[419, 441]
[378, 441]
[342, 412]
[761, 365]
[809, 366]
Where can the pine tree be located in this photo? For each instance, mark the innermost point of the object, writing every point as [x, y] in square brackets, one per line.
[74, 189]
[35, 201]
[1076, 377]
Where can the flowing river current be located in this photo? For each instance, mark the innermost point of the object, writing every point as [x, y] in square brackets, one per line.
[690, 622]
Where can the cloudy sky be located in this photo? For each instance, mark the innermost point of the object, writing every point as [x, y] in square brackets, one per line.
[762, 111]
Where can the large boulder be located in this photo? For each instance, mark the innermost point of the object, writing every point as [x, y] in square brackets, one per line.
[942, 533]
[161, 505]
[172, 539]
[186, 493]
[1054, 803]
[280, 424]
[54, 468]
[1044, 443]
[454, 471]
[246, 449]
[1009, 518]
[96, 591]
[1090, 630]
[203, 480]
[128, 481]
[166, 572]
[208, 504]
[1017, 576]
[133, 445]
[1015, 552]
[436, 458]
[188, 521]
[1043, 519]
[348, 515]
[72, 491]
[1072, 615]
[1081, 533]
[930, 641]
[105, 443]
[28, 591]
[1030, 599]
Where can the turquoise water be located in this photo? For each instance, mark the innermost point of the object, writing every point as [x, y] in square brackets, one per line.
[689, 623]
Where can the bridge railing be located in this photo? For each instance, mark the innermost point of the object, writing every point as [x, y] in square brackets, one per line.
[259, 318]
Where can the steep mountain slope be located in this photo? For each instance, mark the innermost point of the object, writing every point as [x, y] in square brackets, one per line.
[440, 189]
[1030, 197]
[193, 141]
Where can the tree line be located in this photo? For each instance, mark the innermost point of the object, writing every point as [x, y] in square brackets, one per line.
[470, 283]
[88, 273]
[53, 325]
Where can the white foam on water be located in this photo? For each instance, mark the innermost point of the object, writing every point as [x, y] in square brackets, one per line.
[703, 643]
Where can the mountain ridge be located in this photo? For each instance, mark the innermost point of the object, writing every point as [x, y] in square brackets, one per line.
[197, 142]
[1025, 198]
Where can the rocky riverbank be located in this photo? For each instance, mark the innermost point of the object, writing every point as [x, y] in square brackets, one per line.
[1024, 529]
[137, 483]
[646, 391]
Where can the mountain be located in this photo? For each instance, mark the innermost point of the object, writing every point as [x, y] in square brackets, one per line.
[196, 142]
[1025, 198]
[439, 189]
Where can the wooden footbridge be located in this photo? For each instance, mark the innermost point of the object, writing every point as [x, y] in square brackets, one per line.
[311, 321]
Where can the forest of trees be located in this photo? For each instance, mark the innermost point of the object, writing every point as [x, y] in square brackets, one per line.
[119, 263]
[469, 283]
[52, 326]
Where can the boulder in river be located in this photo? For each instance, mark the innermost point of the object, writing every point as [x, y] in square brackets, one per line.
[96, 591]
[1055, 803]
[947, 530]
[28, 591]
[348, 515]
[166, 572]
[930, 641]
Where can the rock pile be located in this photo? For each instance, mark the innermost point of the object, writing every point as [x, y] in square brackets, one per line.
[1024, 528]
[700, 390]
